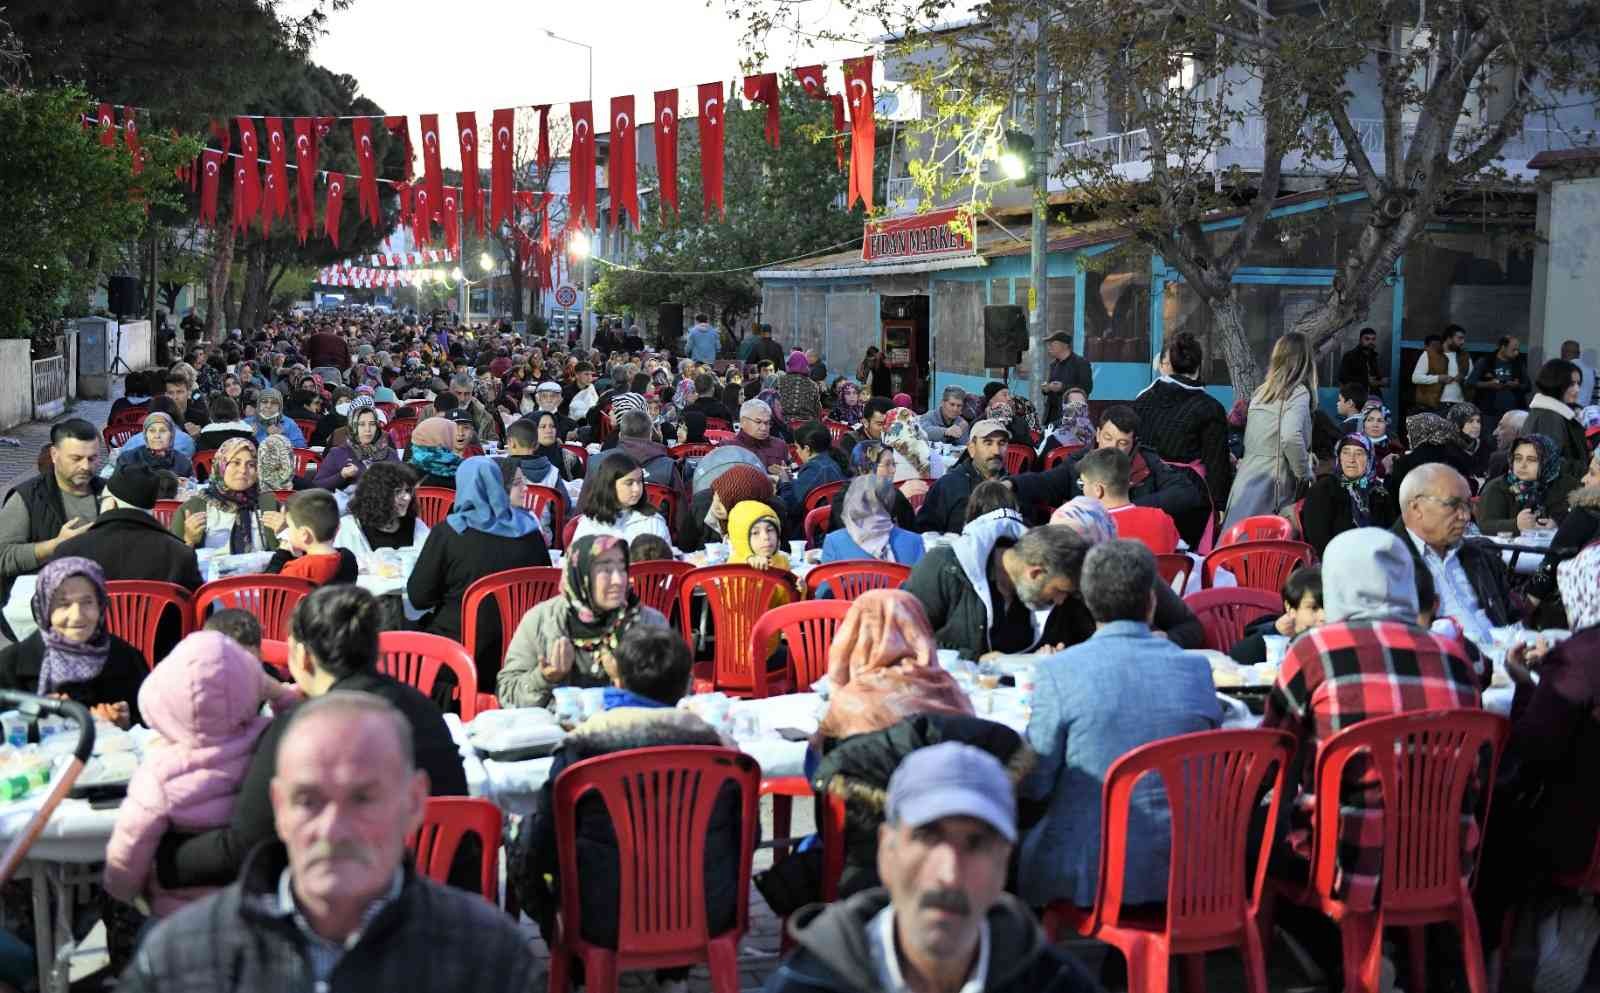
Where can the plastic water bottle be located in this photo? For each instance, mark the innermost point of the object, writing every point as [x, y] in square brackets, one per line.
[20, 784]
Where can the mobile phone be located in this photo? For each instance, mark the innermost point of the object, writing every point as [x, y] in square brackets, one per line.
[793, 734]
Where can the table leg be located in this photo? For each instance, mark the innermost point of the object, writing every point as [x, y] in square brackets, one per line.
[44, 931]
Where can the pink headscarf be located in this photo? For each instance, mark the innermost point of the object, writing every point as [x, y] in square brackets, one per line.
[880, 667]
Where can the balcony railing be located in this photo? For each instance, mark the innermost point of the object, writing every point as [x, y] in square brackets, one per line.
[1123, 148]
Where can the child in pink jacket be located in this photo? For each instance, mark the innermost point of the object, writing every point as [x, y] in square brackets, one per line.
[204, 700]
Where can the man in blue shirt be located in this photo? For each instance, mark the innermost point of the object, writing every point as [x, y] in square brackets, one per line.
[703, 340]
[1092, 704]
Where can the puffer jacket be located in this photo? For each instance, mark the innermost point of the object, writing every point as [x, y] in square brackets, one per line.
[205, 702]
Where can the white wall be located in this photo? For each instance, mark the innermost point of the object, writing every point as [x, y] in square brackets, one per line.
[1566, 273]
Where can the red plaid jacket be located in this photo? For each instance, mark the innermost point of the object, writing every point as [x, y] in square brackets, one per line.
[1337, 675]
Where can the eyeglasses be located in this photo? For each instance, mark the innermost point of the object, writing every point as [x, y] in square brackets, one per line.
[1455, 505]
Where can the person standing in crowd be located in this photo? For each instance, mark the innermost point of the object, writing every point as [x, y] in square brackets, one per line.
[873, 372]
[1122, 688]
[1184, 423]
[1277, 437]
[55, 506]
[798, 393]
[1352, 496]
[325, 347]
[1362, 365]
[765, 349]
[297, 918]
[1500, 379]
[1067, 371]
[128, 542]
[944, 422]
[945, 507]
[1553, 412]
[1437, 376]
[943, 919]
[703, 341]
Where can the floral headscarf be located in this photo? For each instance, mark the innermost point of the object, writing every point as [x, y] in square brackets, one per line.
[1074, 426]
[868, 515]
[67, 661]
[904, 434]
[1430, 429]
[1367, 408]
[1359, 490]
[275, 462]
[848, 408]
[379, 449]
[591, 629]
[168, 458]
[880, 667]
[1530, 493]
[1088, 518]
[1578, 578]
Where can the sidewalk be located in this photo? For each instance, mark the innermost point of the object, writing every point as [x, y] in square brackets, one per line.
[19, 463]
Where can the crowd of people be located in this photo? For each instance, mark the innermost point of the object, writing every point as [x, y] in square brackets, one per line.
[1026, 529]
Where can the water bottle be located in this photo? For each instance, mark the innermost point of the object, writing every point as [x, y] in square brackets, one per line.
[20, 784]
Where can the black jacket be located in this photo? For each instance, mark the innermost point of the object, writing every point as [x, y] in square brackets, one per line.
[1486, 573]
[1451, 455]
[130, 544]
[1581, 526]
[945, 507]
[1327, 511]
[833, 955]
[430, 937]
[214, 858]
[118, 682]
[1072, 371]
[449, 562]
[1184, 423]
[1070, 622]
[1176, 491]
[713, 407]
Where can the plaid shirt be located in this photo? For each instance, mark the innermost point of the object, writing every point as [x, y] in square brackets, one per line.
[1336, 676]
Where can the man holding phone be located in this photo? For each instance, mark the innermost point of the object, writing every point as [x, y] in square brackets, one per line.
[53, 506]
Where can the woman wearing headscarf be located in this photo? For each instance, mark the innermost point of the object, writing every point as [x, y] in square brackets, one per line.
[1469, 422]
[275, 460]
[569, 640]
[269, 419]
[914, 457]
[999, 405]
[848, 408]
[433, 452]
[382, 511]
[1533, 494]
[1432, 439]
[868, 529]
[365, 443]
[799, 396]
[1578, 531]
[1088, 518]
[483, 533]
[159, 450]
[1352, 496]
[232, 511]
[71, 652]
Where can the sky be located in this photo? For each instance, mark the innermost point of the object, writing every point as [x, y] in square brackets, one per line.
[416, 58]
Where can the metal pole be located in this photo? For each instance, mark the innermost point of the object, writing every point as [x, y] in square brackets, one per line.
[1038, 287]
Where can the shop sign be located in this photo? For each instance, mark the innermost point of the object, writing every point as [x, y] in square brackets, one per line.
[920, 236]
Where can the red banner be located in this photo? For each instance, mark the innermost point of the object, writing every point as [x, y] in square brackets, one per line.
[130, 138]
[543, 156]
[502, 168]
[919, 236]
[397, 126]
[277, 204]
[764, 89]
[711, 114]
[108, 126]
[330, 215]
[815, 83]
[621, 168]
[472, 200]
[450, 213]
[432, 171]
[305, 176]
[211, 162]
[367, 160]
[580, 207]
[863, 130]
[667, 148]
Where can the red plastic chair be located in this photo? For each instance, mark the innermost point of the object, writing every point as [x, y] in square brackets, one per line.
[308, 427]
[129, 417]
[271, 598]
[283, 496]
[446, 822]
[386, 408]
[1060, 454]
[1225, 612]
[164, 511]
[414, 658]
[815, 525]
[536, 498]
[1018, 457]
[689, 450]
[515, 592]
[400, 433]
[718, 424]
[578, 451]
[1423, 764]
[1259, 565]
[657, 581]
[660, 802]
[570, 529]
[784, 790]
[807, 628]
[664, 499]
[433, 504]
[202, 464]
[117, 437]
[821, 496]
[1174, 570]
[1262, 527]
[737, 596]
[849, 578]
[1211, 780]
[836, 429]
[134, 608]
[305, 460]
[719, 437]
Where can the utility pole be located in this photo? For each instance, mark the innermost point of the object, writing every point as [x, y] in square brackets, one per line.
[1038, 285]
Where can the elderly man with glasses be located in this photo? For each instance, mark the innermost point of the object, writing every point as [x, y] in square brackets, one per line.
[1470, 579]
[755, 434]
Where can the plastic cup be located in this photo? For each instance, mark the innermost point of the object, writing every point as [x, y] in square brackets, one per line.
[797, 551]
[568, 702]
[948, 657]
[16, 728]
[594, 700]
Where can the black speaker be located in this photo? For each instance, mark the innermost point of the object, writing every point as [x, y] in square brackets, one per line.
[125, 295]
[669, 323]
[1005, 335]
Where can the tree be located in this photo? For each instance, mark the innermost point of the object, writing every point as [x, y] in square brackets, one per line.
[514, 241]
[1183, 81]
[781, 202]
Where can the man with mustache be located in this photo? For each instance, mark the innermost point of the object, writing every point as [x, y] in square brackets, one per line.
[945, 508]
[941, 923]
[336, 904]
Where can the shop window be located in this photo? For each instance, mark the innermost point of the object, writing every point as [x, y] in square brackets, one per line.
[1270, 310]
[1479, 280]
[1116, 311]
[958, 327]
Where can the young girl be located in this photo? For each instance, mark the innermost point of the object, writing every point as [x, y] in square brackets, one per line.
[613, 502]
[755, 540]
[204, 700]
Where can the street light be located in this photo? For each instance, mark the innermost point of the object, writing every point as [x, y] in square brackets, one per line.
[1012, 166]
[583, 314]
[486, 262]
[578, 245]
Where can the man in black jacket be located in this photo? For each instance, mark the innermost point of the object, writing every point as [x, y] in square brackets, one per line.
[1470, 580]
[945, 507]
[1067, 371]
[333, 646]
[335, 905]
[943, 920]
[127, 542]
[1184, 423]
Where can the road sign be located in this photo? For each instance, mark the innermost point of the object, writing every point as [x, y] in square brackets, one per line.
[566, 296]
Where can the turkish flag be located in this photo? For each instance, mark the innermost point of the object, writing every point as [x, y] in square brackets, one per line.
[421, 215]
[622, 170]
[452, 219]
[402, 191]
[249, 158]
[330, 216]
[711, 113]
[542, 159]
[241, 208]
[277, 165]
[471, 201]
[432, 172]
[108, 126]
[544, 220]
[367, 159]
[305, 177]
[211, 164]
[764, 89]
[581, 212]
[667, 148]
[815, 83]
[130, 138]
[863, 130]
[502, 168]
[397, 126]
[219, 131]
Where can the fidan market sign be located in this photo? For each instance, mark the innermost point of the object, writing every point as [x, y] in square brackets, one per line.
[921, 236]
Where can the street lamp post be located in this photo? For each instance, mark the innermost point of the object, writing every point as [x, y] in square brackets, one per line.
[585, 335]
[1038, 283]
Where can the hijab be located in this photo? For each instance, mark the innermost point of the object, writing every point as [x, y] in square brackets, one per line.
[880, 667]
[1530, 493]
[1359, 490]
[433, 447]
[1088, 518]
[904, 434]
[1367, 408]
[848, 409]
[1579, 581]
[1459, 414]
[1074, 426]
[591, 629]
[170, 459]
[1430, 429]
[275, 462]
[67, 661]
[482, 503]
[269, 394]
[868, 515]
[380, 449]
[797, 363]
[240, 503]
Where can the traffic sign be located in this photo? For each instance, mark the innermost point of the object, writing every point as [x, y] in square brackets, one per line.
[566, 296]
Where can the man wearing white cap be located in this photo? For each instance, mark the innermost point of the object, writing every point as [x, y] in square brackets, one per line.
[548, 396]
[945, 507]
[942, 924]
